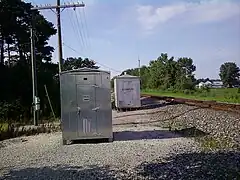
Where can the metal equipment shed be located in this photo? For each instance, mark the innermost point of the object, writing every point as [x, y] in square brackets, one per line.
[85, 104]
[127, 91]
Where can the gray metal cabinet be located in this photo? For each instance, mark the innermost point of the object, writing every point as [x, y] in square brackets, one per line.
[127, 91]
[86, 111]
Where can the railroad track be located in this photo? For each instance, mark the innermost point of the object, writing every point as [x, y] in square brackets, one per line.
[230, 107]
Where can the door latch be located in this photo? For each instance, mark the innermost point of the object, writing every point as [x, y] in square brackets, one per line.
[96, 108]
[78, 110]
[94, 85]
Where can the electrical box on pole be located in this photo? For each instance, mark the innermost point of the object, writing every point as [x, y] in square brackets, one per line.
[37, 103]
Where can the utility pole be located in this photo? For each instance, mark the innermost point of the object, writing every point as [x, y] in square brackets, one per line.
[36, 100]
[34, 84]
[60, 51]
[139, 67]
[58, 12]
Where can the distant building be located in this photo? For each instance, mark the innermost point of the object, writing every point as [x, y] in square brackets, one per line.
[217, 84]
[201, 85]
[208, 83]
[204, 84]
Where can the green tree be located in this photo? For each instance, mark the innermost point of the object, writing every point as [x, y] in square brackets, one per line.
[15, 66]
[162, 72]
[187, 66]
[75, 63]
[144, 74]
[166, 73]
[185, 77]
[229, 74]
[15, 32]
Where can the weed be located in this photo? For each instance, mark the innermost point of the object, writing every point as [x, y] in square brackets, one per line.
[211, 143]
[238, 91]
[16, 131]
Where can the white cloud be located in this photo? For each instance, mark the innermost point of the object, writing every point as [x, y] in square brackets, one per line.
[150, 17]
[204, 11]
[215, 10]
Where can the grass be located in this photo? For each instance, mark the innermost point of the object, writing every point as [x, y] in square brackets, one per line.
[206, 141]
[6, 133]
[3, 127]
[230, 95]
[211, 143]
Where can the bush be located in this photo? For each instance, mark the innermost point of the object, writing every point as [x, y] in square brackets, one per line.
[11, 111]
[206, 88]
[187, 91]
[203, 89]
[238, 91]
[213, 94]
[175, 91]
[172, 89]
[13, 131]
[234, 97]
[204, 94]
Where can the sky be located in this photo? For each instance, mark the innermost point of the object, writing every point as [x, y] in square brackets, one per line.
[115, 33]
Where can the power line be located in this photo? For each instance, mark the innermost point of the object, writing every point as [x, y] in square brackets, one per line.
[93, 60]
[58, 7]
[79, 29]
[84, 17]
[82, 24]
[73, 5]
[80, 15]
[81, 54]
[79, 26]
[76, 31]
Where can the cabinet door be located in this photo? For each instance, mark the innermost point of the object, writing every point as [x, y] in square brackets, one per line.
[128, 93]
[104, 111]
[86, 110]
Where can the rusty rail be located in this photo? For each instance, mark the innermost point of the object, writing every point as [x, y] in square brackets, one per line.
[230, 107]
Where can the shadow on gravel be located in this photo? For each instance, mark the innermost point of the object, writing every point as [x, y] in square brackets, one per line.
[138, 135]
[90, 141]
[191, 132]
[192, 166]
[152, 103]
[171, 118]
[62, 172]
[148, 100]
[214, 166]
[146, 103]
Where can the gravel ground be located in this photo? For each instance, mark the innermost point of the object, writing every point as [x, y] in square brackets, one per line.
[220, 124]
[143, 151]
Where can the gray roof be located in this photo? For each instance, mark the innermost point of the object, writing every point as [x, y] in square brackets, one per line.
[84, 70]
[127, 76]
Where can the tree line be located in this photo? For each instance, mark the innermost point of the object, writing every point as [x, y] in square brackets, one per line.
[166, 73]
